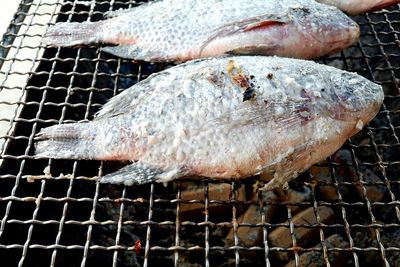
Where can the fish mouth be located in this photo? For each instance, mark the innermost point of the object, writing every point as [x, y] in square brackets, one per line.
[352, 34]
[338, 45]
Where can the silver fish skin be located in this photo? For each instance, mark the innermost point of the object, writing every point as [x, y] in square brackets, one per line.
[354, 7]
[230, 117]
[181, 30]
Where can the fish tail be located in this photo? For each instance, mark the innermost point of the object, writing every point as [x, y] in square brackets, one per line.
[73, 33]
[73, 141]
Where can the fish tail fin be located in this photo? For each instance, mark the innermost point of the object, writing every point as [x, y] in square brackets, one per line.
[73, 33]
[72, 141]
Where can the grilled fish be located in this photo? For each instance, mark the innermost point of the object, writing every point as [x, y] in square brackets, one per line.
[354, 7]
[229, 117]
[180, 30]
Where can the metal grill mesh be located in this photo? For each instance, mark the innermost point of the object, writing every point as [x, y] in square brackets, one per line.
[343, 212]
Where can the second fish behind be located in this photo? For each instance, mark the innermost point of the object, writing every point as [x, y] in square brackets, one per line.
[180, 30]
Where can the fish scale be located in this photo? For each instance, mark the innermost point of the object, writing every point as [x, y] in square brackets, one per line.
[192, 120]
[180, 30]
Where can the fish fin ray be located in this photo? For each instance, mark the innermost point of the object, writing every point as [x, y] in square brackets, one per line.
[283, 171]
[256, 49]
[127, 100]
[122, 11]
[139, 173]
[117, 105]
[117, 13]
[58, 132]
[251, 24]
[262, 24]
[124, 51]
[66, 141]
[245, 26]
[72, 33]
[130, 51]
[291, 113]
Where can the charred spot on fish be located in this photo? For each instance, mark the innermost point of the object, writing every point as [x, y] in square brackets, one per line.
[241, 80]
[237, 76]
[306, 10]
[249, 94]
[216, 79]
[270, 76]
[232, 68]
[303, 9]
[181, 96]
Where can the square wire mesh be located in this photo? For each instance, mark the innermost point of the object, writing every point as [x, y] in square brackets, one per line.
[342, 212]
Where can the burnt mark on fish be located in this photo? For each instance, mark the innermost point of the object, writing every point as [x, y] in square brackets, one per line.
[303, 9]
[237, 76]
[216, 78]
[270, 77]
[249, 94]
[241, 80]
[232, 68]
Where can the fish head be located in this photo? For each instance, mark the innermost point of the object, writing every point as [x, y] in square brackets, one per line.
[325, 29]
[349, 96]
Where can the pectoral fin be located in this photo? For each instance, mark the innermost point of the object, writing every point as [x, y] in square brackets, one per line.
[295, 162]
[265, 50]
[251, 24]
[262, 24]
[223, 35]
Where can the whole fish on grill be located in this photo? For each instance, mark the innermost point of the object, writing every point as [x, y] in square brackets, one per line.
[354, 7]
[180, 30]
[229, 117]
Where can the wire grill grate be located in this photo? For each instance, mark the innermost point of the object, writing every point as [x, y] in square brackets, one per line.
[343, 212]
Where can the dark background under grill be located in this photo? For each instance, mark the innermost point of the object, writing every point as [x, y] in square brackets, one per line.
[77, 222]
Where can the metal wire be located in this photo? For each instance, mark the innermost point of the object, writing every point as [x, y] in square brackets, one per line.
[67, 218]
